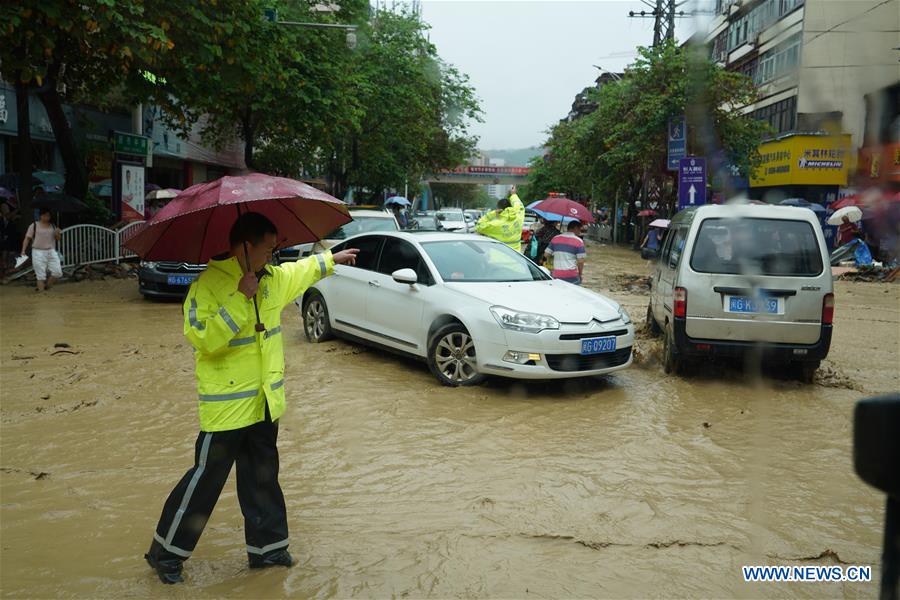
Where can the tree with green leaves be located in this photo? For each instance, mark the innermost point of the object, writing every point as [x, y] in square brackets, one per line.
[72, 50]
[621, 146]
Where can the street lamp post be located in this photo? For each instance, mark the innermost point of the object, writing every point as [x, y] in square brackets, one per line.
[271, 15]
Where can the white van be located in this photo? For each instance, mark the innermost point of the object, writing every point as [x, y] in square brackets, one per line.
[732, 279]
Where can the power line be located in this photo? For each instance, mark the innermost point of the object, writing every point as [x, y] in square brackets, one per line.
[865, 12]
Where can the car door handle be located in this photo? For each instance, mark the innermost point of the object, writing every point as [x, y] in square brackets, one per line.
[374, 284]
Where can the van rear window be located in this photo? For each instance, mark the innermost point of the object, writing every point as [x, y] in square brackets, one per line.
[757, 246]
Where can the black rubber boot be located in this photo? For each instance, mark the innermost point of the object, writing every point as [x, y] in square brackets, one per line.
[167, 568]
[279, 558]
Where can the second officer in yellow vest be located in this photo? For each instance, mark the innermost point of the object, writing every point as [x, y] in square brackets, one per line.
[240, 387]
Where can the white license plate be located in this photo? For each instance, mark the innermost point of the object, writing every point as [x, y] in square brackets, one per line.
[753, 306]
[598, 345]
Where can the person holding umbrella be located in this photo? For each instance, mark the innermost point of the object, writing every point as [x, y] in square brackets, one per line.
[232, 318]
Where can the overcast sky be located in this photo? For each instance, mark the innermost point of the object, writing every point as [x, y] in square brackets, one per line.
[528, 59]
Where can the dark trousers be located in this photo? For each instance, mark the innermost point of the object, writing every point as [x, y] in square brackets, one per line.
[192, 501]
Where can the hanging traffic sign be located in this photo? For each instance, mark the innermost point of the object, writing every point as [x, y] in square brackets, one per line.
[691, 182]
[677, 145]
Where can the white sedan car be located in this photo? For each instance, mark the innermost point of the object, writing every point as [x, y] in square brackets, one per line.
[468, 305]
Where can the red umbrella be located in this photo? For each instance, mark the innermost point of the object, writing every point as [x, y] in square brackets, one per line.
[565, 208]
[194, 226]
[647, 213]
[846, 201]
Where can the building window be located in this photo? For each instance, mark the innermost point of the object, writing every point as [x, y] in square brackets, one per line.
[779, 61]
[768, 12]
[781, 116]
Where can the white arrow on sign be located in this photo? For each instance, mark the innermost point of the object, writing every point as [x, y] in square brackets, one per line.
[692, 191]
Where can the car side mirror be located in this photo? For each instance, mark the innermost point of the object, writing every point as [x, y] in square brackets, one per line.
[407, 276]
[876, 445]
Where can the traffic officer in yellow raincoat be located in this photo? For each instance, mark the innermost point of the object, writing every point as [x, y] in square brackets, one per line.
[240, 386]
[505, 223]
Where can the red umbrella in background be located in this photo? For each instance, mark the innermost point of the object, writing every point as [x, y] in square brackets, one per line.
[194, 226]
[853, 200]
[647, 213]
[564, 207]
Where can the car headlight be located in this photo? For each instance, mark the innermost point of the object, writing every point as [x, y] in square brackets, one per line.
[623, 314]
[148, 264]
[523, 321]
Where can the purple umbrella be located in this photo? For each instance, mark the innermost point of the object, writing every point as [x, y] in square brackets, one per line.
[5, 193]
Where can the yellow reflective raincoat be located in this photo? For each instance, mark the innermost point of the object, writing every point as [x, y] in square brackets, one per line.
[505, 225]
[239, 370]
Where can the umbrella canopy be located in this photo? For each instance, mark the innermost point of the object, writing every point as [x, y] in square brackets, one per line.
[50, 178]
[102, 188]
[398, 200]
[801, 203]
[661, 223]
[846, 201]
[853, 214]
[647, 213]
[159, 193]
[59, 202]
[552, 217]
[564, 208]
[150, 187]
[194, 226]
[5, 193]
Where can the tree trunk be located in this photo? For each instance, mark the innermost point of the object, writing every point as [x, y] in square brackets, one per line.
[76, 174]
[248, 131]
[23, 162]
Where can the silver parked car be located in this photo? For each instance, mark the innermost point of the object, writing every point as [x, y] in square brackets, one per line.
[735, 278]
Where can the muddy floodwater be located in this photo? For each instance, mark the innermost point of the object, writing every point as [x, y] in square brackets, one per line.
[634, 485]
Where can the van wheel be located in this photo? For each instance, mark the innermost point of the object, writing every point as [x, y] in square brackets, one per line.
[806, 371]
[652, 325]
[672, 363]
[451, 356]
[316, 324]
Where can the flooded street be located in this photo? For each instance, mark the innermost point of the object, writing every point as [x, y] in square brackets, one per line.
[635, 485]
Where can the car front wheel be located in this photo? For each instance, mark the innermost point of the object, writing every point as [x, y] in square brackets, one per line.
[451, 356]
[315, 319]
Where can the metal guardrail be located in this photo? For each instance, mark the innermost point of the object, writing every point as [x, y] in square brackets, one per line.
[92, 244]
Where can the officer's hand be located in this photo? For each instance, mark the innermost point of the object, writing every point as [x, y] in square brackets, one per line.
[346, 257]
[248, 284]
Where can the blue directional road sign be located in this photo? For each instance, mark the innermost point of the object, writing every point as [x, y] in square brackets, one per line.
[691, 182]
[677, 137]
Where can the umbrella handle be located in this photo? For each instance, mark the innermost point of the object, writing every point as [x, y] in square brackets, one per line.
[259, 326]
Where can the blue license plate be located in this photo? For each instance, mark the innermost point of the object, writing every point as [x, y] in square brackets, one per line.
[181, 279]
[742, 304]
[598, 345]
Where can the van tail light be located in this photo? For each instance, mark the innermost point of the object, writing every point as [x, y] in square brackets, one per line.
[680, 299]
[827, 309]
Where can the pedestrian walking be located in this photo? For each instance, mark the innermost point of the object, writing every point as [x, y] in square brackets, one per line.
[43, 235]
[239, 365]
[568, 253]
[9, 236]
[505, 223]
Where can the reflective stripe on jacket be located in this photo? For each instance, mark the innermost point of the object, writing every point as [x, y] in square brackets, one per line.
[505, 226]
[238, 370]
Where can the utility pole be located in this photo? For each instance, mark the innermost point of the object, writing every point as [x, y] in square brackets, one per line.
[663, 13]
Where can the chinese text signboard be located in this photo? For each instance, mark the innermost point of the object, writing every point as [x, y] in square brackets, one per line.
[691, 182]
[804, 160]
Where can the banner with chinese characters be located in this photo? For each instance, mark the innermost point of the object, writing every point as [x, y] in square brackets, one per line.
[804, 160]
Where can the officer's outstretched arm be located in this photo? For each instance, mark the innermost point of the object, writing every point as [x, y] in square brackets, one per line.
[292, 279]
[209, 326]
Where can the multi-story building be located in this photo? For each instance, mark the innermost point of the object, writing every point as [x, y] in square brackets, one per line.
[826, 71]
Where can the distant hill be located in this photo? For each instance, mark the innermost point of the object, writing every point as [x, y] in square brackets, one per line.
[516, 157]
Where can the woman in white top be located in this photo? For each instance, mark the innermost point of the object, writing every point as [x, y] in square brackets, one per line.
[43, 251]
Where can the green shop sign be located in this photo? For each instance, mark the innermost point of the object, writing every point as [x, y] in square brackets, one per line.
[129, 143]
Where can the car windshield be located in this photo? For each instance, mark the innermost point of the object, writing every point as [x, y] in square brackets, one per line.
[362, 225]
[475, 260]
[775, 247]
[450, 215]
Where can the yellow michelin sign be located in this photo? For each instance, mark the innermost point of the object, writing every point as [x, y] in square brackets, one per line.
[804, 160]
